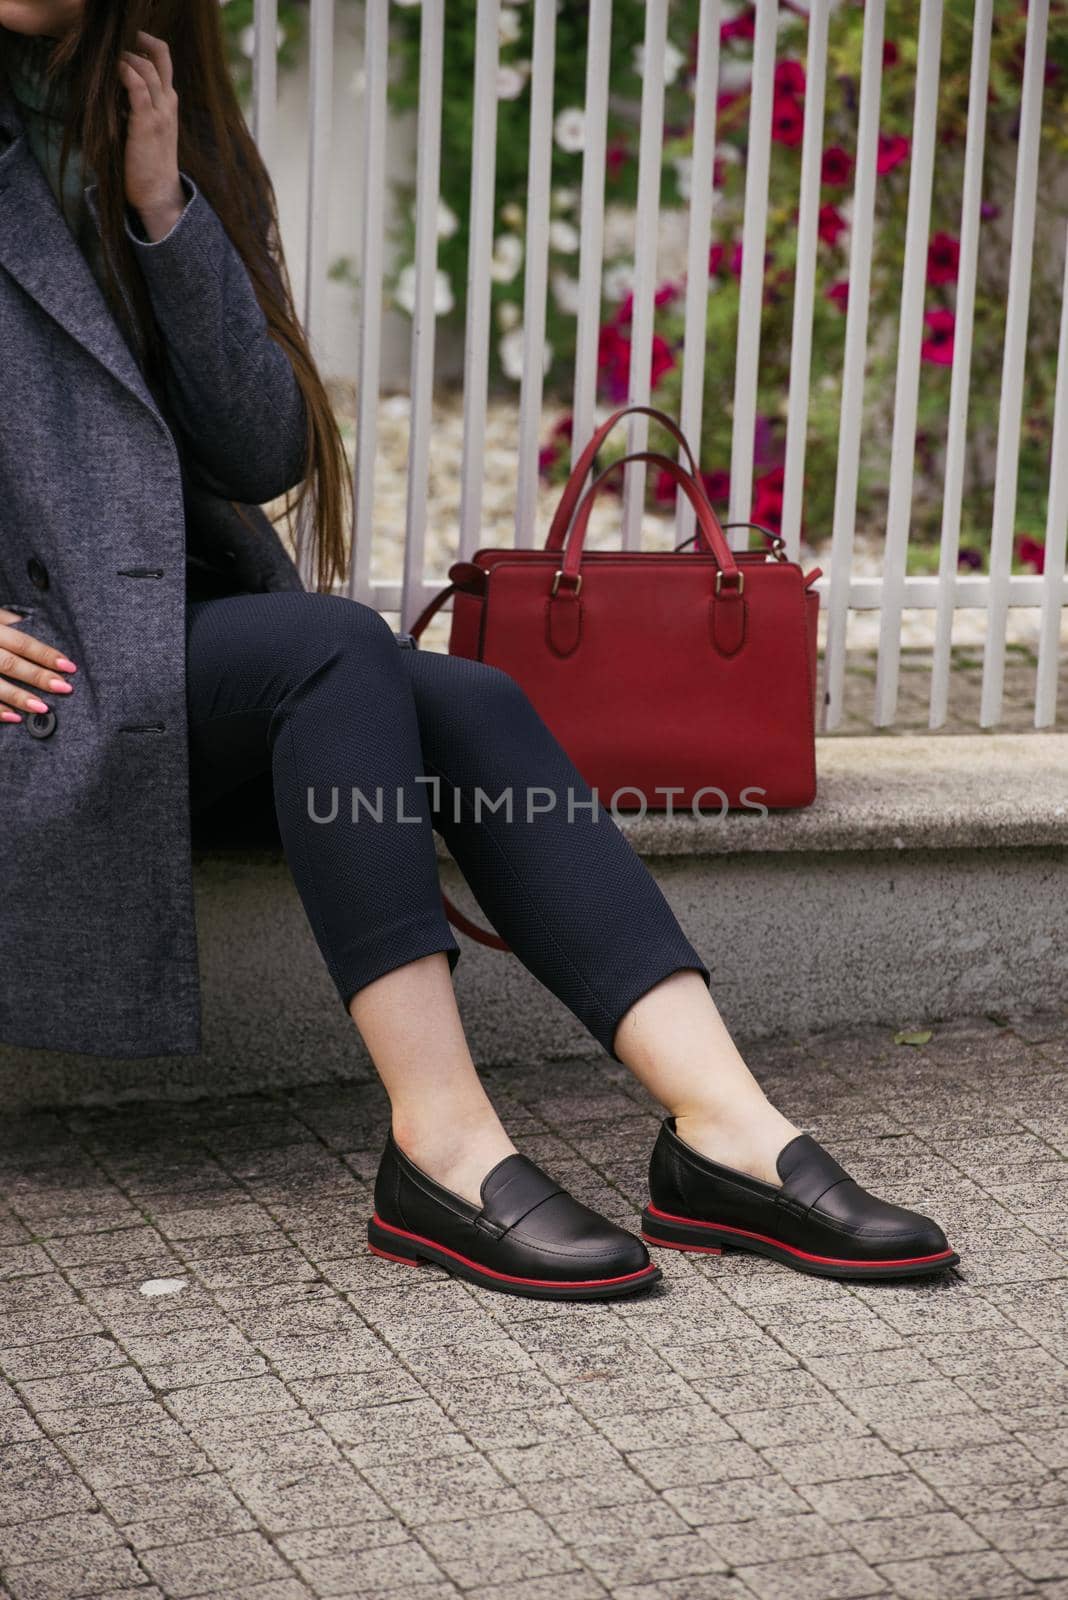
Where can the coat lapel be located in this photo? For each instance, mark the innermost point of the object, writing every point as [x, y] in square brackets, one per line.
[39, 251]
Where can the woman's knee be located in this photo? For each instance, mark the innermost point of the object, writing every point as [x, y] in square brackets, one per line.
[334, 630]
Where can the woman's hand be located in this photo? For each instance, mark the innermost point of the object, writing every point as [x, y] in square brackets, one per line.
[153, 187]
[24, 659]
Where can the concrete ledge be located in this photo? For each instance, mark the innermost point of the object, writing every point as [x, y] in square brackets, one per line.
[928, 882]
[894, 793]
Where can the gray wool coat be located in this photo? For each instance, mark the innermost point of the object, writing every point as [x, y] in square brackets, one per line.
[103, 484]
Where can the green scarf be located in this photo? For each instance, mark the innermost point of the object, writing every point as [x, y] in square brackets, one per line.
[25, 57]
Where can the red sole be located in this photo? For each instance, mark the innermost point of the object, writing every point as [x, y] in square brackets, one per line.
[424, 1250]
[688, 1233]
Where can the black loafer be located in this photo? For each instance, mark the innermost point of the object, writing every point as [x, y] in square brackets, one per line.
[819, 1221]
[529, 1238]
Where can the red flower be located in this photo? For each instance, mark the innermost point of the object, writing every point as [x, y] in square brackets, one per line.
[717, 485]
[565, 428]
[790, 77]
[715, 259]
[832, 224]
[616, 158]
[839, 293]
[943, 258]
[787, 120]
[667, 294]
[613, 361]
[1031, 553]
[665, 489]
[736, 260]
[546, 459]
[890, 54]
[767, 501]
[663, 360]
[938, 346]
[740, 27]
[893, 150]
[625, 311]
[837, 167]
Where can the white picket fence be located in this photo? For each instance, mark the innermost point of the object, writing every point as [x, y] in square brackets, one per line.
[891, 593]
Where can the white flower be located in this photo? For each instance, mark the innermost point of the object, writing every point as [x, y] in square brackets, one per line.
[512, 214]
[734, 74]
[569, 129]
[566, 293]
[510, 83]
[507, 314]
[409, 2]
[618, 281]
[247, 40]
[507, 257]
[674, 58]
[404, 294]
[510, 350]
[448, 221]
[509, 27]
[729, 153]
[565, 199]
[563, 236]
[684, 175]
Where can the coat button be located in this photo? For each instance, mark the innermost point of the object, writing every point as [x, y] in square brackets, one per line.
[41, 724]
[37, 573]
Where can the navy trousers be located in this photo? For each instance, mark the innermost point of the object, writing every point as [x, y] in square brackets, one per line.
[371, 747]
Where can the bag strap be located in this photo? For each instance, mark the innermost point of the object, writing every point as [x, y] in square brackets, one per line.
[486, 936]
[710, 534]
[581, 470]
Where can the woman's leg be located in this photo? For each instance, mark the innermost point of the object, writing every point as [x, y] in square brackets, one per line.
[581, 910]
[675, 1041]
[312, 688]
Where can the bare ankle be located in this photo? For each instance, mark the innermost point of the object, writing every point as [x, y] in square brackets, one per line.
[457, 1154]
[749, 1142]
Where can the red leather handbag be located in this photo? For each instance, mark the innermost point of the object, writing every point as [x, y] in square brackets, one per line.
[673, 679]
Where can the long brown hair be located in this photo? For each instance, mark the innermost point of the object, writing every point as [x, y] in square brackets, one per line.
[218, 152]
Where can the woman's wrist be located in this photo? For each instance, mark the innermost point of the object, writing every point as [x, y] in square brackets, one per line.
[157, 220]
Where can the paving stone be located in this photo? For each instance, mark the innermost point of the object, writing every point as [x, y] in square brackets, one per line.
[980, 1575]
[840, 1576]
[61, 1358]
[440, 1490]
[223, 1563]
[113, 1457]
[321, 1497]
[96, 1573]
[201, 1505]
[54, 1538]
[937, 1533]
[109, 1386]
[825, 1462]
[501, 1549]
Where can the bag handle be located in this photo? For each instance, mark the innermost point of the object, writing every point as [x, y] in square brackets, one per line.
[580, 471]
[710, 534]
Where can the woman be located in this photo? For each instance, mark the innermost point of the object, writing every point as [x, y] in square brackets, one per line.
[158, 652]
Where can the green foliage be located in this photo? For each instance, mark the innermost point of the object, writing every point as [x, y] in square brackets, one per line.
[237, 18]
[896, 114]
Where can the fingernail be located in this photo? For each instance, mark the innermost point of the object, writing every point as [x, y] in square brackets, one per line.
[60, 686]
[64, 665]
[35, 704]
[10, 716]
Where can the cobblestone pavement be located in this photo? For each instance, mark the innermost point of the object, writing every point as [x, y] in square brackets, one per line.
[213, 1390]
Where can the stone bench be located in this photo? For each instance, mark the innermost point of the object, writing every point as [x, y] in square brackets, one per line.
[930, 880]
